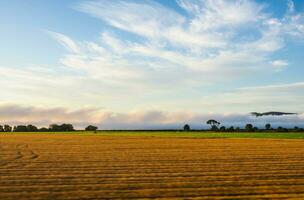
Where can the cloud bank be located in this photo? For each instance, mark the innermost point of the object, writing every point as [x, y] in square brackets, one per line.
[14, 115]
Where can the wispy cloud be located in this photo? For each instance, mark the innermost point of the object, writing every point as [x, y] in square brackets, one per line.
[216, 39]
[148, 55]
[65, 41]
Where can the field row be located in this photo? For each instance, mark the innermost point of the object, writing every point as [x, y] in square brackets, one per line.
[90, 167]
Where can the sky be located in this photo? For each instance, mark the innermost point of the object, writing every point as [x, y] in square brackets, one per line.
[150, 63]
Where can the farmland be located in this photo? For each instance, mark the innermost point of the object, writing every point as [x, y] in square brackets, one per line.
[151, 165]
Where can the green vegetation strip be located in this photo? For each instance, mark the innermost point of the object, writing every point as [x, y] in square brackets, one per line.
[190, 134]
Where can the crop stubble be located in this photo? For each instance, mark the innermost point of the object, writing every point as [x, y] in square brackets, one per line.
[45, 166]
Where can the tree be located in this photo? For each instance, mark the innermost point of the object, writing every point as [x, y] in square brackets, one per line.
[268, 126]
[281, 129]
[230, 129]
[7, 128]
[62, 127]
[214, 124]
[43, 129]
[1, 128]
[223, 128]
[186, 127]
[54, 127]
[248, 127]
[67, 127]
[20, 128]
[91, 128]
[31, 128]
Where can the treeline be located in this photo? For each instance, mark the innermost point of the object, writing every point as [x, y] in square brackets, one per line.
[215, 126]
[51, 128]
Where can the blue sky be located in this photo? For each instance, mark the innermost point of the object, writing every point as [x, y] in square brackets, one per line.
[166, 56]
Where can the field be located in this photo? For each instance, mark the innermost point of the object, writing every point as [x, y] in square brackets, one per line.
[142, 165]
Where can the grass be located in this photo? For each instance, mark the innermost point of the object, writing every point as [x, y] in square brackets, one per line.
[191, 134]
[207, 134]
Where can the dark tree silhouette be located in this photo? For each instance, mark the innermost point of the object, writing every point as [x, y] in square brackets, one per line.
[1, 128]
[20, 128]
[63, 127]
[214, 124]
[54, 127]
[31, 128]
[230, 129]
[67, 127]
[7, 128]
[91, 128]
[43, 129]
[281, 129]
[223, 128]
[268, 126]
[186, 127]
[249, 127]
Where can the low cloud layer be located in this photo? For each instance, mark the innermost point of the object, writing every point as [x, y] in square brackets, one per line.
[16, 114]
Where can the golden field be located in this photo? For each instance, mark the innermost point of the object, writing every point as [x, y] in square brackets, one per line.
[78, 166]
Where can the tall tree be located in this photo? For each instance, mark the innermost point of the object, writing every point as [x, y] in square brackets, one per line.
[213, 123]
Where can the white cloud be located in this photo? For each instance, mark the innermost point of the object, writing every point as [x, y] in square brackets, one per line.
[217, 39]
[277, 88]
[279, 65]
[65, 41]
[143, 18]
[148, 55]
[209, 14]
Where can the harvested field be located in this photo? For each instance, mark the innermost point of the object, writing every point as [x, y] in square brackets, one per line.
[46, 166]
